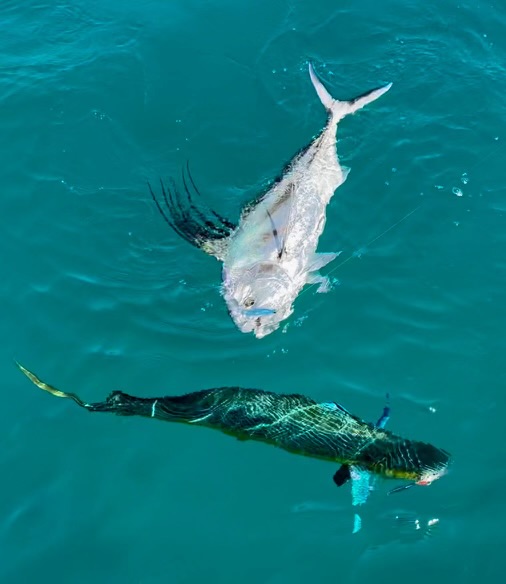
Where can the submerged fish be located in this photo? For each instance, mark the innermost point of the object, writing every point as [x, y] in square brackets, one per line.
[293, 422]
[271, 254]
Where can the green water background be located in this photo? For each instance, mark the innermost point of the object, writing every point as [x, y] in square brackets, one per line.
[98, 97]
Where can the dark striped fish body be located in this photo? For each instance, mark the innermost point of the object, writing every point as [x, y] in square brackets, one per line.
[294, 423]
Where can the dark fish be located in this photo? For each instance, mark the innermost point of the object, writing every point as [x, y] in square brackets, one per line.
[295, 423]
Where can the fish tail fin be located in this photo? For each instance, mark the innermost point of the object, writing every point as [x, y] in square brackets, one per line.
[340, 109]
[50, 389]
[117, 402]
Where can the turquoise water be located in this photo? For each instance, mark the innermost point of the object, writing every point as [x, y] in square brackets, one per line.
[98, 294]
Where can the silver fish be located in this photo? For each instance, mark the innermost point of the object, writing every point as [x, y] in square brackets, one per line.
[271, 254]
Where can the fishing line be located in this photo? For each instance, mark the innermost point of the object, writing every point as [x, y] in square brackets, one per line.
[492, 152]
[354, 255]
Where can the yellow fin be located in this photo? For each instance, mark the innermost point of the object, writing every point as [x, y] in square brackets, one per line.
[49, 388]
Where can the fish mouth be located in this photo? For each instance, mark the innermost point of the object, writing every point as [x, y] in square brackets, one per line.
[424, 481]
[428, 478]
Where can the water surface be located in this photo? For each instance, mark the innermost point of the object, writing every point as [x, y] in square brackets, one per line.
[98, 97]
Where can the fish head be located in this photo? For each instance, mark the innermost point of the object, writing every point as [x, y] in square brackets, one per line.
[418, 462]
[429, 475]
[423, 478]
[258, 297]
[434, 463]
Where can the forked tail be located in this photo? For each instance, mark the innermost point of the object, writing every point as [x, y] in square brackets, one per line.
[339, 109]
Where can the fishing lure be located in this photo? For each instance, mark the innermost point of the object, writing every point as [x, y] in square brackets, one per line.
[294, 422]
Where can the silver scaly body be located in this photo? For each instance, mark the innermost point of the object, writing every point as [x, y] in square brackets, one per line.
[271, 254]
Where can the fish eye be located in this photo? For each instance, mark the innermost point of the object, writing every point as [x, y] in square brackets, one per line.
[248, 303]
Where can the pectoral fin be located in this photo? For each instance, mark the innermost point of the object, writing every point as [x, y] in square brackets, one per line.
[342, 476]
[319, 260]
